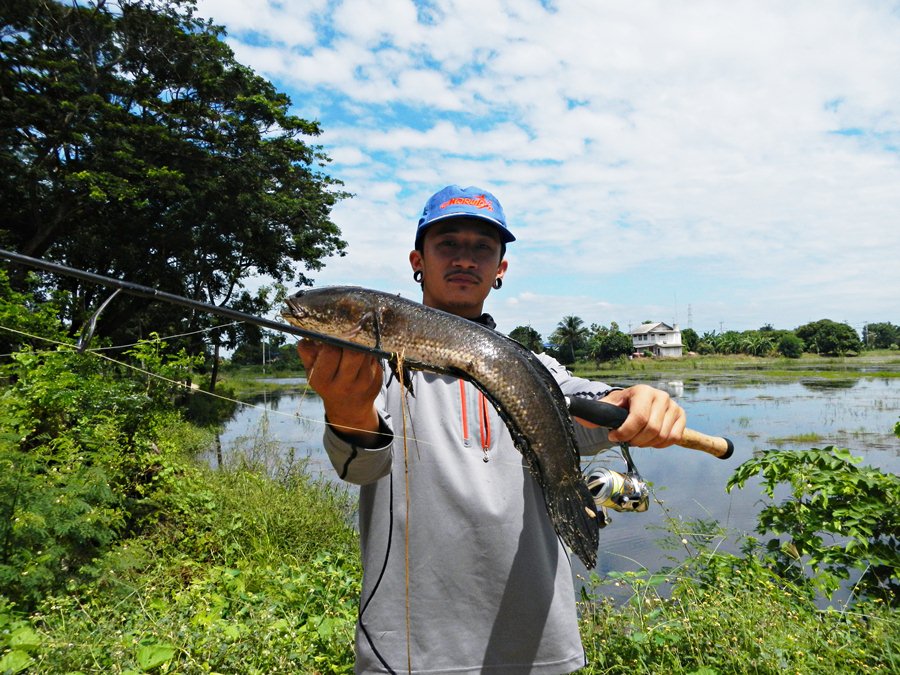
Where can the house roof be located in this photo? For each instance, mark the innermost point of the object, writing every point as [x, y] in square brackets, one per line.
[658, 327]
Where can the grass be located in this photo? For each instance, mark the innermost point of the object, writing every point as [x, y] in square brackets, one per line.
[260, 575]
[879, 363]
[243, 574]
[742, 621]
[809, 437]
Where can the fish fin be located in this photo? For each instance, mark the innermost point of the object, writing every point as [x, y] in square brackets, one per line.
[403, 374]
[574, 515]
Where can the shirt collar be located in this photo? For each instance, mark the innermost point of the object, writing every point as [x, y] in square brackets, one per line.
[485, 320]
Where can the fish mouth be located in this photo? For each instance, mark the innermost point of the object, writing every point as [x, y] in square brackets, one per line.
[295, 309]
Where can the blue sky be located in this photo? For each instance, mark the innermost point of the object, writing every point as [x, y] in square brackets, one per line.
[724, 165]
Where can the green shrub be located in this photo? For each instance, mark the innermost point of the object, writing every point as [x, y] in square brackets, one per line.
[79, 459]
[791, 346]
[725, 614]
[237, 573]
[838, 517]
[189, 618]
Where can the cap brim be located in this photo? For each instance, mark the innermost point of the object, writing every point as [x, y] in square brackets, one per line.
[505, 235]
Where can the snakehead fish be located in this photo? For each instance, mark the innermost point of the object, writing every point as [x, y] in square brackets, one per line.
[520, 387]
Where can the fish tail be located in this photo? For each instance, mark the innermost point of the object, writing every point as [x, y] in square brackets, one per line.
[574, 515]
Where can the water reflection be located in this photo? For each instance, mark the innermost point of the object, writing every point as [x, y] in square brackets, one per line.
[675, 388]
[828, 384]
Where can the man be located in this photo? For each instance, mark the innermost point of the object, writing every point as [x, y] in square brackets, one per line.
[463, 571]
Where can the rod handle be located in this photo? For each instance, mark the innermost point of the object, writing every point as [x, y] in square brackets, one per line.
[612, 416]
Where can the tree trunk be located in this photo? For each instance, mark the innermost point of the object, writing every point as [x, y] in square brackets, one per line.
[214, 372]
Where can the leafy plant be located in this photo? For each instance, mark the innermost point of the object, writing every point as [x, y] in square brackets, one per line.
[28, 319]
[717, 613]
[830, 337]
[18, 640]
[837, 517]
[236, 573]
[791, 346]
[80, 461]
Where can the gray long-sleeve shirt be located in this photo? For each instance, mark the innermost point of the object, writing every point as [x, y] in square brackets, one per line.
[489, 583]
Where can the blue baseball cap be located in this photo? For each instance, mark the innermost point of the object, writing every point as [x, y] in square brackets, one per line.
[456, 202]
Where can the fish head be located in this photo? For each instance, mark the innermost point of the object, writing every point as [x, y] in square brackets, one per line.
[335, 310]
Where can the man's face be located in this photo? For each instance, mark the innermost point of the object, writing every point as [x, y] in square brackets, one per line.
[460, 259]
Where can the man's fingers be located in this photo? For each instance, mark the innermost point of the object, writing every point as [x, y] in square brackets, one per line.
[332, 370]
[308, 350]
[654, 419]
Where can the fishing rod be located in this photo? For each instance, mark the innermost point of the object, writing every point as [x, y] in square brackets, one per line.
[155, 294]
[600, 413]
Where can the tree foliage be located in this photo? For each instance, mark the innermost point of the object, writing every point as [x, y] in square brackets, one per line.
[133, 145]
[528, 337]
[610, 343]
[829, 337]
[25, 321]
[690, 339]
[881, 335]
[569, 337]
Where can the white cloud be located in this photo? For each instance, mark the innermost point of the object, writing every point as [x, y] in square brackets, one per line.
[627, 142]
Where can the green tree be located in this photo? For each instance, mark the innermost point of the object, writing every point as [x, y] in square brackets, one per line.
[690, 339]
[606, 344]
[829, 337]
[28, 319]
[729, 342]
[132, 144]
[570, 336]
[529, 337]
[790, 345]
[708, 343]
[883, 335]
[756, 343]
[613, 345]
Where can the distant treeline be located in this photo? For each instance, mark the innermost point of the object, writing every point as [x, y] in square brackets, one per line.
[572, 341]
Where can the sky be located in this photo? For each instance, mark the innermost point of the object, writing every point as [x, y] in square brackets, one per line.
[719, 165]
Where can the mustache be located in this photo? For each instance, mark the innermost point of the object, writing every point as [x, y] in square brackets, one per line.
[460, 273]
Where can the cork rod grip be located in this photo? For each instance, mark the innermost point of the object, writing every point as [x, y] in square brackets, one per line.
[612, 416]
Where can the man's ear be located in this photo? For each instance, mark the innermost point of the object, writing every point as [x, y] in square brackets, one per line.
[501, 268]
[415, 260]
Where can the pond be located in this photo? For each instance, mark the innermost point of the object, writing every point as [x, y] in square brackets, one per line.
[857, 413]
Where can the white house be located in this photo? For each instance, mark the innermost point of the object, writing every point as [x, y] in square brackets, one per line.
[660, 339]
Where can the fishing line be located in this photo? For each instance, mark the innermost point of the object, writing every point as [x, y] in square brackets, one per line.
[403, 414]
[143, 371]
[170, 337]
[387, 553]
[94, 352]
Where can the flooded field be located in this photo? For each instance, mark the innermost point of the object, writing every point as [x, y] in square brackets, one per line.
[856, 413]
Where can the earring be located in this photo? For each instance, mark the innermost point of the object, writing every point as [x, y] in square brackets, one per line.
[498, 283]
[417, 276]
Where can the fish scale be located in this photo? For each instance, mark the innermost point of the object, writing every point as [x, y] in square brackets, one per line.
[518, 385]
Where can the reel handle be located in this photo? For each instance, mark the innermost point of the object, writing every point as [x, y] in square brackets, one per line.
[612, 416]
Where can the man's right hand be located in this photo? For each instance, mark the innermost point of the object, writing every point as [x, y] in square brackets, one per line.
[348, 382]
